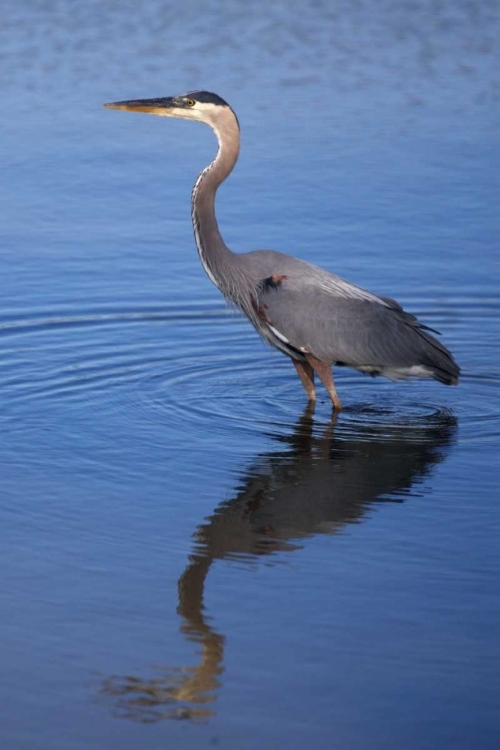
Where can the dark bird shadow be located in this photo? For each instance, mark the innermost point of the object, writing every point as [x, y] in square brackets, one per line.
[316, 482]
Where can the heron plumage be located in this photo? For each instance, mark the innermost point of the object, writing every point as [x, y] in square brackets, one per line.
[314, 316]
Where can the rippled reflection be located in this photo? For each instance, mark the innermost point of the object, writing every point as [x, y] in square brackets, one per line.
[317, 481]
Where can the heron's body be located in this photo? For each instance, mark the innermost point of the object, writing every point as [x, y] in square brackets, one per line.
[315, 317]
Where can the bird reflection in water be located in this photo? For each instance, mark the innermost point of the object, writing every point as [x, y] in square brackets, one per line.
[319, 481]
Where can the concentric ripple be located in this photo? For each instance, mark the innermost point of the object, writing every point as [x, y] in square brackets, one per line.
[203, 371]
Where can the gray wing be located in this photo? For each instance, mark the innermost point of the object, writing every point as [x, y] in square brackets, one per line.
[321, 314]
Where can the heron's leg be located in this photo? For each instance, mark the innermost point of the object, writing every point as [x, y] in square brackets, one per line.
[324, 371]
[306, 375]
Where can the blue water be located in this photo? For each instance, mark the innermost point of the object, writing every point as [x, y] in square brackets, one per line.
[192, 558]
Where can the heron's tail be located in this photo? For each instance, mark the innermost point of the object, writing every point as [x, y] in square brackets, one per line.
[439, 361]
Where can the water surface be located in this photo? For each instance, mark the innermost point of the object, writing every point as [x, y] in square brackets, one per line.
[182, 538]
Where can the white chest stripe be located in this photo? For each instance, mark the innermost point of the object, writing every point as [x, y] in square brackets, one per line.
[278, 334]
[284, 338]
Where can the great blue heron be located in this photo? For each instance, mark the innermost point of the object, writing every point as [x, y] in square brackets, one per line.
[313, 316]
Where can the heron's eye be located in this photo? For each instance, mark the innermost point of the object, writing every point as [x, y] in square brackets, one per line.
[189, 102]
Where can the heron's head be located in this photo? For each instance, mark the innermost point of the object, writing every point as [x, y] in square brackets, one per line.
[195, 105]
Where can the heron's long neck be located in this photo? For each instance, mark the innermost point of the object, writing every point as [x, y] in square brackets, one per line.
[214, 253]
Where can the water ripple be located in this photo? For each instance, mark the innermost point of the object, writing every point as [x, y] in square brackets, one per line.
[204, 371]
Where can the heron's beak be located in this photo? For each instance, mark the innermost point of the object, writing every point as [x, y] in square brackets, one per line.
[163, 106]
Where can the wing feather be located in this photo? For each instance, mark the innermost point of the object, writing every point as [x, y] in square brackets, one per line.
[360, 331]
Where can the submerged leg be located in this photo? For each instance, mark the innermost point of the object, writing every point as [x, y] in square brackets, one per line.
[306, 375]
[324, 371]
